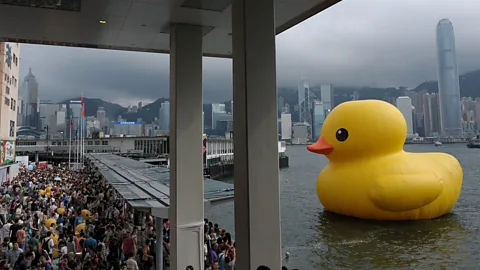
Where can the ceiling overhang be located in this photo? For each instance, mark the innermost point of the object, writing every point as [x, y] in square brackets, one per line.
[134, 25]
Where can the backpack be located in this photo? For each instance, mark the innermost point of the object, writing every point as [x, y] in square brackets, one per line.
[45, 245]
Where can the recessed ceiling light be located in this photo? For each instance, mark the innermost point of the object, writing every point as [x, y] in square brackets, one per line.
[102, 21]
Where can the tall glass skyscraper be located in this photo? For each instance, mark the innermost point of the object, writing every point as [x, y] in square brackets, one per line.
[448, 82]
[30, 97]
[318, 118]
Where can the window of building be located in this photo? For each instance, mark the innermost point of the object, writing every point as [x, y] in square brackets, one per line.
[104, 142]
[97, 142]
[7, 90]
[11, 104]
[12, 128]
[89, 143]
[7, 101]
[6, 77]
[14, 81]
[14, 104]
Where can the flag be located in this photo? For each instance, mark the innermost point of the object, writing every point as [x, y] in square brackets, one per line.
[83, 107]
[71, 123]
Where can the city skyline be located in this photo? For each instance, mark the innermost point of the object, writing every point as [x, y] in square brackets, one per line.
[325, 52]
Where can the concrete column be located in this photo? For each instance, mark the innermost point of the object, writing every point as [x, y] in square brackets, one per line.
[186, 168]
[257, 191]
[159, 246]
[36, 157]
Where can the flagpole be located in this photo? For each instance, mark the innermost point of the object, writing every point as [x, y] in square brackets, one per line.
[78, 142]
[70, 145]
[82, 145]
[83, 131]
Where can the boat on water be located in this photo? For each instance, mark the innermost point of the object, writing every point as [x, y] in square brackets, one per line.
[474, 144]
[438, 144]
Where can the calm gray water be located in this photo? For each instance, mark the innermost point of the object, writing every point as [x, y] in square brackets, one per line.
[320, 240]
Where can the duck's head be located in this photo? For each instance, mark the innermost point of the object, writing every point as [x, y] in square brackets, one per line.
[364, 128]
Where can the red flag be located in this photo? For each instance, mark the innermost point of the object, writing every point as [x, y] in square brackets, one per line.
[71, 123]
[83, 107]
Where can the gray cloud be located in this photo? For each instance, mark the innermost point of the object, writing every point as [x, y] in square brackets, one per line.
[358, 43]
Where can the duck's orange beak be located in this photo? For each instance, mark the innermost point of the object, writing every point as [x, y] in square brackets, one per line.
[320, 147]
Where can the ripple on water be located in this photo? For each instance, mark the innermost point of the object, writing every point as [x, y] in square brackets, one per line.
[320, 240]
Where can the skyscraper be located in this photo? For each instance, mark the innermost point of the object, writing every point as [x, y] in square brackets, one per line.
[326, 91]
[164, 117]
[30, 93]
[305, 107]
[318, 118]
[432, 115]
[448, 82]
[101, 116]
[404, 104]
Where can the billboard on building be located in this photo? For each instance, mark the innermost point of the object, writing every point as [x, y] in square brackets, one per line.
[7, 152]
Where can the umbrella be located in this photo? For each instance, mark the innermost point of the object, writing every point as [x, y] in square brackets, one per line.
[57, 178]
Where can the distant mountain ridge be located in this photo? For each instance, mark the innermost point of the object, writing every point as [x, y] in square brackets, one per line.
[469, 87]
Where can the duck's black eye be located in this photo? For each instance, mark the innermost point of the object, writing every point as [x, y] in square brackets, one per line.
[342, 135]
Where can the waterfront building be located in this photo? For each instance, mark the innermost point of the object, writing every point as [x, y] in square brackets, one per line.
[281, 104]
[46, 108]
[448, 81]
[9, 70]
[318, 118]
[164, 116]
[127, 128]
[286, 126]
[477, 115]
[305, 107]
[102, 118]
[300, 133]
[404, 104]
[327, 97]
[431, 111]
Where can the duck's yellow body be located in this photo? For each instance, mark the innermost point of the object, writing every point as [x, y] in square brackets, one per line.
[370, 176]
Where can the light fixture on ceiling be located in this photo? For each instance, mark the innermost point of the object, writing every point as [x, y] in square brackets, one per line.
[102, 21]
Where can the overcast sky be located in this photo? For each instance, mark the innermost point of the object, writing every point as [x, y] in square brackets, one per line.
[354, 43]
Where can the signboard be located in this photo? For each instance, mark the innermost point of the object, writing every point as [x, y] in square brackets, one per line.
[75, 101]
[7, 152]
[22, 159]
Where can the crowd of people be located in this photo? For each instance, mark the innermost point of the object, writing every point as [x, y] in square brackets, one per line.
[56, 218]
[220, 253]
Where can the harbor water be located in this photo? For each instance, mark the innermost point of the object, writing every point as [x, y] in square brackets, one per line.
[319, 240]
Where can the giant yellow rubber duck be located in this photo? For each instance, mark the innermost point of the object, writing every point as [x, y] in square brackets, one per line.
[370, 176]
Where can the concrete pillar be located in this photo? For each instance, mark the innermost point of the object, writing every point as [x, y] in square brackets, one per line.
[36, 157]
[257, 191]
[159, 246]
[186, 168]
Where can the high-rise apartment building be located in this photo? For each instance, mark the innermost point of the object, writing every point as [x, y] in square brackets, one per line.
[30, 99]
[9, 69]
[448, 81]
[404, 104]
